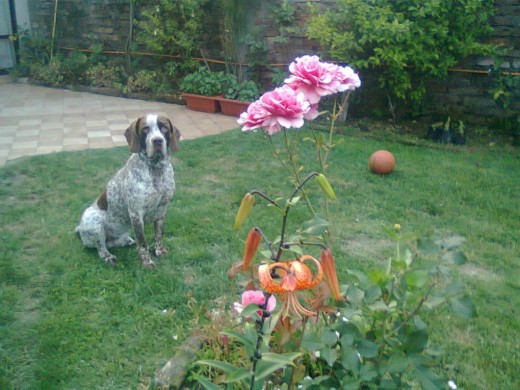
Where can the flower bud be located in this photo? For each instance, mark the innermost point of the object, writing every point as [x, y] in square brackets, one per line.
[325, 186]
[245, 207]
[252, 242]
[329, 269]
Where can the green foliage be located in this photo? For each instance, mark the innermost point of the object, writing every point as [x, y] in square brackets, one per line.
[101, 75]
[406, 42]
[62, 69]
[142, 81]
[378, 338]
[205, 82]
[246, 91]
[173, 28]
[34, 52]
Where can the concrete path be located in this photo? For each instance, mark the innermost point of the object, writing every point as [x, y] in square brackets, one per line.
[39, 120]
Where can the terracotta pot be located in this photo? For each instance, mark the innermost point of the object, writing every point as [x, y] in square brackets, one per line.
[382, 162]
[233, 107]
[201, 102]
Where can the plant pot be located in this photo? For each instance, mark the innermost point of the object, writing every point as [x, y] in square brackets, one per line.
[233, 107]
[201, 102]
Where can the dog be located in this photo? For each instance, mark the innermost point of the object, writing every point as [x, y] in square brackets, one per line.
[136, 195]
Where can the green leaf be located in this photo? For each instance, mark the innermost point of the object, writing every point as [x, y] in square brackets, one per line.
[416, 279]
[205, 382]
[239, 336]
[457, 257]
[294, 201]
[368, 373]
[372, 294]
[397, 363]
[463, 306]
[434, 301]
[364, 280]
[315, 226]
[392, 233]
[429, 380]
[427, 246]
[368, 349]
[378, 306]
[285, 358]
[238, 375]
[451, 243]
[330, 355]
[355, 295]
[329, 337]
[269, 364]
[311, 341]
[226, 367]
[350, 359]
[415, 342]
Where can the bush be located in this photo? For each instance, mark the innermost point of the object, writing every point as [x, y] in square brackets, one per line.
[405, 42]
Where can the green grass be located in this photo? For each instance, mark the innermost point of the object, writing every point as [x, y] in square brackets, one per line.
[68, 321]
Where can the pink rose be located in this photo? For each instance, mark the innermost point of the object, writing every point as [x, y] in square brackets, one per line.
[283, 107]
[255, 297]
[316, 79]
[254, 117]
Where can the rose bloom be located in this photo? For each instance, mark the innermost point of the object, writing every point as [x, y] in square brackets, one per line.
[316, 79]
[283, 107]
[257, 297]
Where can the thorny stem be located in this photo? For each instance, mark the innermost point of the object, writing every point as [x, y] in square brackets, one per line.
[286, 214]
[415, 311]
[260, 330]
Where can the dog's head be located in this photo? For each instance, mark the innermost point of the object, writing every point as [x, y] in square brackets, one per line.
[153, 135]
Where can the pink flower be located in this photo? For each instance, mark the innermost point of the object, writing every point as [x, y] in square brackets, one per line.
[255, 297]
[283, 107]
[316, 79]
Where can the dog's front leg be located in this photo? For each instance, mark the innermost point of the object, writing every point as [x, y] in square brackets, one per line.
[142, 246]
[160, 250]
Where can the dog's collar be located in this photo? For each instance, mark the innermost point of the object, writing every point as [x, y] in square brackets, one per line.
[151, 162]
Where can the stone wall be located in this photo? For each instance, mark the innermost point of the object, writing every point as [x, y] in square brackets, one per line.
[465, 95]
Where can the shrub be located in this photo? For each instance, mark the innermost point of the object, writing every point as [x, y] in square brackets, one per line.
[405, 42]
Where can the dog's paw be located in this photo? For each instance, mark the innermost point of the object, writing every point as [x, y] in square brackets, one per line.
[110, 259]
[149, 264]
[159, 251]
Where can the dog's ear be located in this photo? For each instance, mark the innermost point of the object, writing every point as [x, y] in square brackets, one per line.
[132, 136]
[174, 135]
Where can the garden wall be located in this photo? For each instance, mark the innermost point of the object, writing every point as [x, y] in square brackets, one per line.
[466, 95]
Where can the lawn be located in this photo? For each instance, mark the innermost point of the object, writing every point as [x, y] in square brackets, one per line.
[69, 321]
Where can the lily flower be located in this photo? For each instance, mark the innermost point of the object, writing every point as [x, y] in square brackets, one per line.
[294, 275]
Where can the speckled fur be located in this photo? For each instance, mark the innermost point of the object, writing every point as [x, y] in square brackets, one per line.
[138, 194]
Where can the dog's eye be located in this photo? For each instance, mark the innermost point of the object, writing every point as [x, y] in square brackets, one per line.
[146, 129]
[163, 129]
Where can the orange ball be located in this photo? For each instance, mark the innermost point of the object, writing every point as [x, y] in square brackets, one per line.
[382, 162]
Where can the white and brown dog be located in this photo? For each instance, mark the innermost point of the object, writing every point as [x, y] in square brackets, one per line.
[136, 195]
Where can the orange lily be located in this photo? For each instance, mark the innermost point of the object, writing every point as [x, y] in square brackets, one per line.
[295, 275]
[329, 269]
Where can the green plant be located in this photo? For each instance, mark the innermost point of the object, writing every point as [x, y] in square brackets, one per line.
[142, 81]
[174, 28]
[245, 91]
[378, 339]
[101, 75]
[403, 42]
[205, 82]
[34, 52]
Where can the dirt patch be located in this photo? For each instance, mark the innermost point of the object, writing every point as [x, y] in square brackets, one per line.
[479, 273]
[366, 247]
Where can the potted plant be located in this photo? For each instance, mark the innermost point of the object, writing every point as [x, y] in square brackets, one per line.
[238, 96]
[202, 88]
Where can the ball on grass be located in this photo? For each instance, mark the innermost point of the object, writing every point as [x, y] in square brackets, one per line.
[382, 162]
